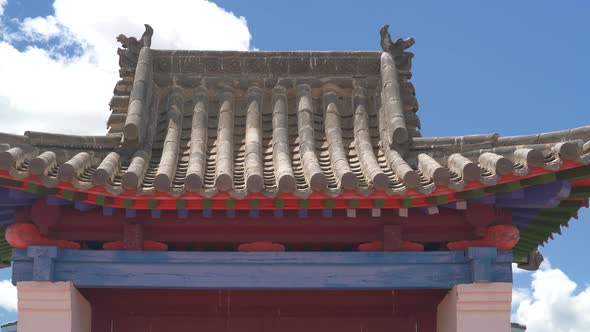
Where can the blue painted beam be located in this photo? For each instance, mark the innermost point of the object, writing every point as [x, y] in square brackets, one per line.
[182, 214]
[9, 198]
[81, 206]
[539, 196]
[57, 201]
[6, 216]
[108, 211]
[262, 270]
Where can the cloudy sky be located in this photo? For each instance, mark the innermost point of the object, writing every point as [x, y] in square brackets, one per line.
[507, 67]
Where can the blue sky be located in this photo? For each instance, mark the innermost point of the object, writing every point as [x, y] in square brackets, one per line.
[510, 67]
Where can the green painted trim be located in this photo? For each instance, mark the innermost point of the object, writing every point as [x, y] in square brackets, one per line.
[566, 206]
[329, 203]
[575, 174]
[153, 203]
[72, 195]
[580, 192]
[504, 187]
[10, 183]
[206, 204]
[279, 203]
[437, 200]
[406, 203]
[230, 203]
[254, 203]
[379, 203]
[181, 204]
[40, 190]
[304, 203]
[353, 203]
[471, 194]
[127, 203]
[68, 194]
[541, 179]
[103, 200]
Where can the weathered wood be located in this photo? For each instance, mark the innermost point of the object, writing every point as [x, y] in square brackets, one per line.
[342, 171]
[497, 164]
[105, 172]
[136, 170]
[135, 125]
[464, 167]
[433, 170]
[362, 142]
[285, 270]
[253, 169]
[43, 163]
[198, 147]
[224, 177]
[309, 159]
[74, 167]
[393, 130]
[280, 141]
[400, 167]
[169, 159]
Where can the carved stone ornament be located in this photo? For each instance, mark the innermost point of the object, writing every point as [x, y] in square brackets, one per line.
[130, 47]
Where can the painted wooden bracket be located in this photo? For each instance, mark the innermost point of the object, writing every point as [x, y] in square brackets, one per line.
[132, 235]
[482, 260]
[43, 262]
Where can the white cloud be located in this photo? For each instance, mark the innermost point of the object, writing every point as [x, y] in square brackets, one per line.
[2, 4]
[552, 305]
[41, 27]
[42, 90]
[8, 297]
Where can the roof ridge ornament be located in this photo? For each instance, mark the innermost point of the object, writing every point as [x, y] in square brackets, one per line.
[394, 48]
[130, 47]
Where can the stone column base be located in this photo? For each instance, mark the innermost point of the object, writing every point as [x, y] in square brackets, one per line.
[481, 307]
[52, 307]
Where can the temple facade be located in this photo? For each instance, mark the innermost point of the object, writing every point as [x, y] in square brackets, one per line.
[277, 191]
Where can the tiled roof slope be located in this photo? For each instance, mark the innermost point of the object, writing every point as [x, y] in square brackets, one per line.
[273, 122]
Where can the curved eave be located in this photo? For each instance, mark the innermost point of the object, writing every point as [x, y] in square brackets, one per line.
[569, 170]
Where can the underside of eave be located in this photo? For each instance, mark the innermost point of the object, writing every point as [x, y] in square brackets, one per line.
[550, 221]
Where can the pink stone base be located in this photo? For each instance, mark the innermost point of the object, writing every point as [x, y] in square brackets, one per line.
[481, 307]
[52, 307]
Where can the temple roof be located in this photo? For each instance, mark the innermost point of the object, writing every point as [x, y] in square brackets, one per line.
[273, 123]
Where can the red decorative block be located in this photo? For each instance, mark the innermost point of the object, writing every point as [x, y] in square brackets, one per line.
[503, 237]
[261, 246]
[24, 235]
[147, 246]
[379, 246]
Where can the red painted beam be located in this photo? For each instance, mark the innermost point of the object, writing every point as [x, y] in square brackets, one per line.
[448, 225]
